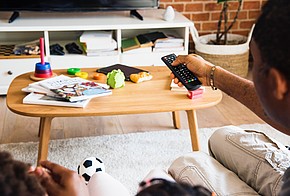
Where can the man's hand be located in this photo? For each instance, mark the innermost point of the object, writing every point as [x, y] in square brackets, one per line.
[199, 67]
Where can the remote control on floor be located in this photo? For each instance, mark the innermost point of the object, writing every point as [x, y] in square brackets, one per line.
[184, 75]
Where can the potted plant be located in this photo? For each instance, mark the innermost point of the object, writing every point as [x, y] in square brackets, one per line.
[230, 51]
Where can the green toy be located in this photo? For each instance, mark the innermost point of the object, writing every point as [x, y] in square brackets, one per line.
[116, 79]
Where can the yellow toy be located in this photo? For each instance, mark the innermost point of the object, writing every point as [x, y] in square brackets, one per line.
[140, 77]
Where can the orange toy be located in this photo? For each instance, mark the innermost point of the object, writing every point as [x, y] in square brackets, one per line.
[140, 77]
[99, 76]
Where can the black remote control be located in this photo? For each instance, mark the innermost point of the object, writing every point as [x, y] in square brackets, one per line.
[184, 75]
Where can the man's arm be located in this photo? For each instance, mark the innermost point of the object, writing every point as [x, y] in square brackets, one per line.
[243, 90]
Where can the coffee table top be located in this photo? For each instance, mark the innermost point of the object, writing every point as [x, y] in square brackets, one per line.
[146, 97]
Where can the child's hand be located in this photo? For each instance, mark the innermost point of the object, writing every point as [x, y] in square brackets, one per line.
[58, 180]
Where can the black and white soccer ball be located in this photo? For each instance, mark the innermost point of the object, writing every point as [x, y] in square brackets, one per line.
[89, 166]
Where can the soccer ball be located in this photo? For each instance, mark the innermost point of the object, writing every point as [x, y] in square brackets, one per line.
[89, 166]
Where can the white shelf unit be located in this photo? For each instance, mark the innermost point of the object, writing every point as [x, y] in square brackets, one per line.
[65, 28]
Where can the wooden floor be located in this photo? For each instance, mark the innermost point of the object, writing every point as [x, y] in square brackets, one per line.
[17, 128]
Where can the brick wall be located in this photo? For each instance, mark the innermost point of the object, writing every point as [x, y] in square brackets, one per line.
[205, 13]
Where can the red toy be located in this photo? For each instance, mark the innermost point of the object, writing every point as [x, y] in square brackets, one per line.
[196, 93]
[42, 69]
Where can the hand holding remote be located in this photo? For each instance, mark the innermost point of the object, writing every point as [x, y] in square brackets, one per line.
[197, 65]
[184, 75]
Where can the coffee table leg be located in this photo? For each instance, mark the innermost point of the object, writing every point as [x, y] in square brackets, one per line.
[176, 119]
[193, 128]
[44, 129]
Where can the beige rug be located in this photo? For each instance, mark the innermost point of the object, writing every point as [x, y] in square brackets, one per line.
[127, 157]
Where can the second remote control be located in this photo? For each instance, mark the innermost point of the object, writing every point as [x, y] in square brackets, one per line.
[184, 75]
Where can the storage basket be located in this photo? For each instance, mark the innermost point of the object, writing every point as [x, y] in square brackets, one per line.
[234, 58]
[235, 63]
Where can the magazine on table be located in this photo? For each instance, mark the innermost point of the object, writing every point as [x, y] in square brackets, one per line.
[42, 99]
[80, 91]
[61, 80]
[63, 89]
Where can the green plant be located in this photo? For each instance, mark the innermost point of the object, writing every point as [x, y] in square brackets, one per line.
[222, 35]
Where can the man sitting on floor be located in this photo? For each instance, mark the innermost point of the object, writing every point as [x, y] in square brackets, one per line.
[246, 162]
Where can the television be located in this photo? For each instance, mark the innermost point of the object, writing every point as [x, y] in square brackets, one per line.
[17, 6]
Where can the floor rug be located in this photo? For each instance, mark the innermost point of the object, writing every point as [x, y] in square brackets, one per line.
[127, 157]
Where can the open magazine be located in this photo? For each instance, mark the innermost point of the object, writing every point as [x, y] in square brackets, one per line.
[64, 91]
[80, 91]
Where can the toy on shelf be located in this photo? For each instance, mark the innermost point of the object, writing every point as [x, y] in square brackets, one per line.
[42, 69]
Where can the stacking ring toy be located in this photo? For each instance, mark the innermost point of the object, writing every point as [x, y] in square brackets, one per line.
[73, 71]
[82, 74]
[99, 76]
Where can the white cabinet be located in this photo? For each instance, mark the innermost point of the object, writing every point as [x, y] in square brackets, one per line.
[65, 28]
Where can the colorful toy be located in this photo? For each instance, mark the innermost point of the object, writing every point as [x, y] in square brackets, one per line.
[89, 166]
[116, 79]
[140, 77]
[196, 93]
[82, 74]
[73, 71]
[99, 76]
[42, 69]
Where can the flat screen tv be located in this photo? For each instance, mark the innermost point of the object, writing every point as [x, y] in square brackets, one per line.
[17, 6]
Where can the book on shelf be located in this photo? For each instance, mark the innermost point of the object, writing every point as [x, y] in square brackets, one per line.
[97, 48]
[170, 39]
[144, 41]
[154, 36]
[129, 44]
[63, 89]
[162, 44]
[96, 43]
[98, 52]
[138, 50]
[102, 53]
[98, 37]
[110, 45]
[168, 49]
[42, 99]
[169, 44]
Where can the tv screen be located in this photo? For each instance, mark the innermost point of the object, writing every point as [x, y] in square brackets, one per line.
[75, 5]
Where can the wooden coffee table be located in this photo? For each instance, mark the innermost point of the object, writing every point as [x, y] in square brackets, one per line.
[147, 97]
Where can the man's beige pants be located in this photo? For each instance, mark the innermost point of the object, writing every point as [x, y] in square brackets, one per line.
[242, 162]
